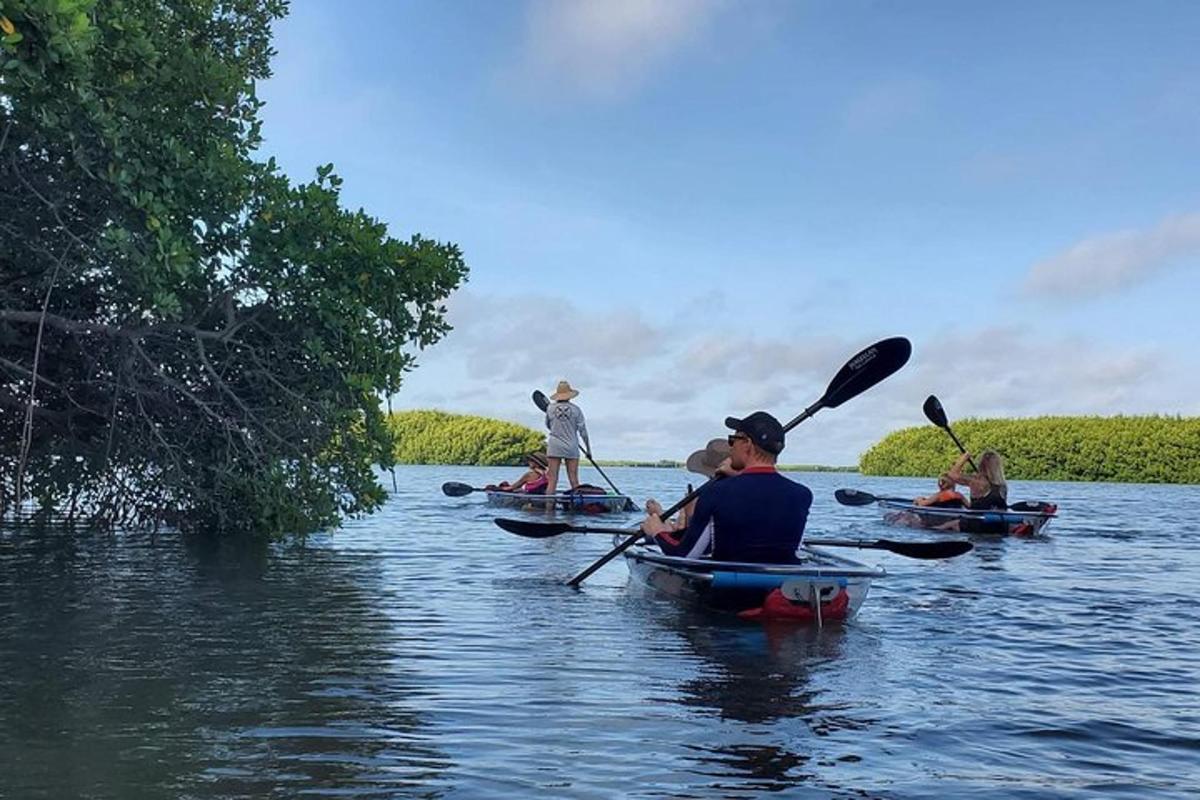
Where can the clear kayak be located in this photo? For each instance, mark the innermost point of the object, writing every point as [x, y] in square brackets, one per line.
[819, 588]
[1021, 519]
[581, 503]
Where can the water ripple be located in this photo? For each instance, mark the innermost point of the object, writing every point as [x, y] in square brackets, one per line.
[423, 652]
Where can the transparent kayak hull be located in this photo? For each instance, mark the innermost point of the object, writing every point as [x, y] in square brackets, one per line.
[820, 589]
[578, 503]
[1012, 521]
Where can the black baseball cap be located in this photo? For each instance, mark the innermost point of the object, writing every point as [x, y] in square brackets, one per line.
[763, 430]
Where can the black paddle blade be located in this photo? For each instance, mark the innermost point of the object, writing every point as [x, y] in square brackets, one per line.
[934, 411]
[540, 400]
[922, 550]
[853, 497]
[927, 550]
[866, 369]
[456, 489]
[533, 530]
[1034, 506]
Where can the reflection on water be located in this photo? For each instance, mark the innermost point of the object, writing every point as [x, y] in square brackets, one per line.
[424, 653]
[211, 667]
[754, 674]
[748, 672]
[758, 676]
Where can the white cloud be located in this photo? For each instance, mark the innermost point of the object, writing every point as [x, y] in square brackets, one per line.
[1118, 260]
[1012, 372]
[650, 390]
[540, 338]
[660, 391]
[607, 48]
[746, 359]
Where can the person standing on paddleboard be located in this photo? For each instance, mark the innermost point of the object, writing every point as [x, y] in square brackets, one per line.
[755, 516]
[565, 422]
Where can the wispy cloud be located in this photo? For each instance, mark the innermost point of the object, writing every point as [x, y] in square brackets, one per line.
[1024, 374]
[1118, 260]
[747, 359]
[538, 338]
[660, 391]
[886, 103]
[607, 48]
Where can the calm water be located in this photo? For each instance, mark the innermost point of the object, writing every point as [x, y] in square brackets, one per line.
[424, 653]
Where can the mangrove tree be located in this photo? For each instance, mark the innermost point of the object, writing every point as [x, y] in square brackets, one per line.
[186, 335]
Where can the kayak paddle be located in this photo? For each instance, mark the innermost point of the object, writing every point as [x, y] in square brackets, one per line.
[860, 373]
[541, 401]
[857, 497]
[937, 415]
[456, 489]
[922, 550]
[546, 530]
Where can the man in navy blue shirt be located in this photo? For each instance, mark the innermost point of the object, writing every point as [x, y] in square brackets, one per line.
[755, 516]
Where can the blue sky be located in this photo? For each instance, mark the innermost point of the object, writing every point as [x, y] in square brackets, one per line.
[694, 208]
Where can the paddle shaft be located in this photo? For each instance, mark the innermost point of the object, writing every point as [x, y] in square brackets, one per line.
[961, 449]
[592, 461]
[846, 498]
[687, 498]
[937, 415]
[919, 550]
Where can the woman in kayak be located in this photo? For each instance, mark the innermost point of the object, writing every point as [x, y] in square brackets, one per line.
[565, 422]
[987, 485]
[989, 490]
[532, 482]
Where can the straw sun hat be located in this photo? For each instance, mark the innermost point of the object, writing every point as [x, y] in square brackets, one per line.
[563, 392]
[705, 462]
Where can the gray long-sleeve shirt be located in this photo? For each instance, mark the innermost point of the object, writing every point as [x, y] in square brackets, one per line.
[565, 423]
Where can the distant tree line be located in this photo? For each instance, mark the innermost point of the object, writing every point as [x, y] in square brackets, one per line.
[1149, 449]
[437, 437]
[662, 463]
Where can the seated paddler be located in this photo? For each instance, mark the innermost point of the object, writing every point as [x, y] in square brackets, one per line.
[532, 481]
[755, 515]
[946, 496]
